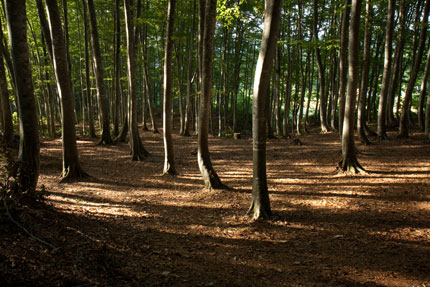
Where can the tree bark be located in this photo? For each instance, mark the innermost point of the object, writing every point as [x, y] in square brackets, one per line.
[323, 100]
[169, 157]
[98, 69]
[424, 86]
[404, 120]
[343, 63]
[6, 113]
[260, 205]
[361, 120]
[29, 146]
[137, 150]
[382, 133]
[349, 160]
[71, 166]
[208, 16]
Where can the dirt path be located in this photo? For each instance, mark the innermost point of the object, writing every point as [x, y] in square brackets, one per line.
[130, 226]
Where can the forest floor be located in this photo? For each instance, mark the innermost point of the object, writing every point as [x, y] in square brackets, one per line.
[131, 226]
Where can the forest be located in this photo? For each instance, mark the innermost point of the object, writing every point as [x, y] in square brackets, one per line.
[214, 143]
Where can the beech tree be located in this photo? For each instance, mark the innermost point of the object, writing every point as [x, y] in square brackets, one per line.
[98, 65]
[169, 158]
[382, 132]
[29, 145]
[71, 166]
[208, 16]
[349, 160]
[137, 150]
[260, 205]
[404, 120]
[6, 114]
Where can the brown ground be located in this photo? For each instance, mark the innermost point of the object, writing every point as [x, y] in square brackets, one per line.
[130, 226]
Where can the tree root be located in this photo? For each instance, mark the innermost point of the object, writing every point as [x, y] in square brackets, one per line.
[23, 228]
[73, 173]
[258, 211]
[350, 165]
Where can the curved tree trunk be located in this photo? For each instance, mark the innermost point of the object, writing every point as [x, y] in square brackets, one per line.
[169, 157]
[349, 160]
[404, 118]
[260, 205]
[361, 120]
[382, 132]
[101, 92]
[71, 166]
[29, 146]
[210, 177]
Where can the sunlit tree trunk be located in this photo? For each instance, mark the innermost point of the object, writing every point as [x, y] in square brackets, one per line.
[29, 146]
[98, 67]
[404, 120]
[349, 160]
[169, 158]
[382, 133]
[117, 69]
[260, 205]
[210, 177]
[71, 166]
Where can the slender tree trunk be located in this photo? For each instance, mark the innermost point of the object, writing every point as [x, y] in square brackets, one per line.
[169, 158]
[361, 121]
[260, 204]
[71, 166]
[101, 92]
[189, 74]
[398, 55]
[6, 113]
[404, 120]
[343, 63]
[323, 100]
[427, 120]
[117, 69]
[208, 16]
[92, 130]
[382, 133]
[278, 92]
[29, 146]
[349, 160]
[424, 84]
[137, 150]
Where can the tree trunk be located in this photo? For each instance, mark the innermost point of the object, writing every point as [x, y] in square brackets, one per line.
[137, 151]
[382, 133]
[404, 120]
[71, 166]
[323, 100]
[29, 146]
[92, 130]
[101, 92]
[361, 121]
[6, 113]
[424, 84]
[208, 16]
[349, 160]
[343, 63]
[260, 205]
[169, 158]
